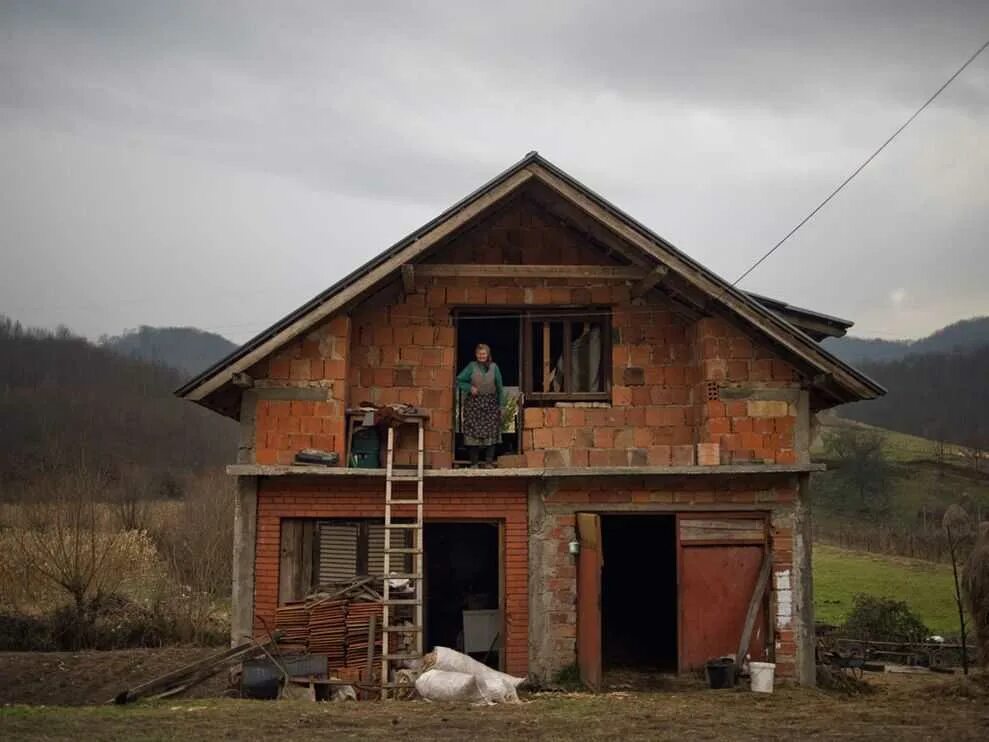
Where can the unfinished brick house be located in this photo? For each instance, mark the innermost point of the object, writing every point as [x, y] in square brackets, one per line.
[661, 454]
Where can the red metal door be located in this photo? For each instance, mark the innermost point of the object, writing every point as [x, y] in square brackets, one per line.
[716, 585]
[589, 564]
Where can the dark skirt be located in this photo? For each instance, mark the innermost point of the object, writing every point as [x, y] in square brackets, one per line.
[482, 420]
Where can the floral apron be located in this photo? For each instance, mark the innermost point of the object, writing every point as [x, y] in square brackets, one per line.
[482, 412]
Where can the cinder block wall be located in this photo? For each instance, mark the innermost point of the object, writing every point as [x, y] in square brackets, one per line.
[553, 570]
[317, 498]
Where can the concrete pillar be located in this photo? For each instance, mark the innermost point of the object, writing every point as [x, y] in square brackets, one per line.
[246, 435]
[245, 534]
[803, 587]
[540, 637]
[802, 433]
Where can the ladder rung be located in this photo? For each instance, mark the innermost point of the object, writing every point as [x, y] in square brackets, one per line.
[402, 629]
[401, 657]
[403, 576]
[413, 477]
[401, 550]
[404, 501]
[402, 526]
[402, 601]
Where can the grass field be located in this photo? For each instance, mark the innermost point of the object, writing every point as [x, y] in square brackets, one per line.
[899, 446]
[840, 574]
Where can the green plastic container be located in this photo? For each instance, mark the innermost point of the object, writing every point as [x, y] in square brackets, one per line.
[365, 449]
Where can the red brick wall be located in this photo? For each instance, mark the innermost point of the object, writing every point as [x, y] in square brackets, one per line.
[404, 350]
[316, 360]
[401, 348]
[312, 498]
[751, 430]
[775, 498]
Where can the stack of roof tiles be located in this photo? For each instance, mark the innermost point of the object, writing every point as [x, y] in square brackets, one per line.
[328, 630]
[358, 624]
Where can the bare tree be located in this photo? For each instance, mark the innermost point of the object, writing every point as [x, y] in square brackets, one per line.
[958, 527]
[196, 544]
[65, 540]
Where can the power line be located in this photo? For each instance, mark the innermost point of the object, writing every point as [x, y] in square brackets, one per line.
[861, 167]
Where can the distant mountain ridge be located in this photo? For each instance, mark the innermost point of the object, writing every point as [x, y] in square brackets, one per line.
[961, 336]
[65, 400]
[187, 349]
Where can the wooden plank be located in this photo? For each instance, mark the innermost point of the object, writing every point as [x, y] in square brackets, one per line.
[290, 561]
[374, 276]
[722, 530]
[650, 281]
[589, 563]
[591, 272]
[754, 604]
[408, 278]
[183, 674]
[546, 363]
[371, 626]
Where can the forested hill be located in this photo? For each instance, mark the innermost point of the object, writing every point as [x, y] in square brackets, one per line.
[64, 400]
[965, 335]
[941, 396]
[185, 348]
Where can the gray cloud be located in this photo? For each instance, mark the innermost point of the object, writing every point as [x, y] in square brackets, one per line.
[217, 163]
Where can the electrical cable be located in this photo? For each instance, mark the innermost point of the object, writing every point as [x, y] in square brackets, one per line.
[861, 167]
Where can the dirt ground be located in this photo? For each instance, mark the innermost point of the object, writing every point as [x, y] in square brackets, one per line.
[902, 707]
[83, 678]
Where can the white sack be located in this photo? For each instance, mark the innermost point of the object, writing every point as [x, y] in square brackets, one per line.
[442, 685]
[495, 687]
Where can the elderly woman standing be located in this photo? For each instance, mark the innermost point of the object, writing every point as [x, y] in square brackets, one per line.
[483, 395]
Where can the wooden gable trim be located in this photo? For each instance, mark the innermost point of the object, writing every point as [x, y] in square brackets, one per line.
[370, 279]
[776, 329]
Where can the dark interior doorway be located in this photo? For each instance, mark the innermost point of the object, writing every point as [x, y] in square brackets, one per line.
[503, 333]
[639, 592]
[462, 574]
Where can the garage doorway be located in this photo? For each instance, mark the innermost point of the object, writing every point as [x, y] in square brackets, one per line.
[639, 604]
[463, 588]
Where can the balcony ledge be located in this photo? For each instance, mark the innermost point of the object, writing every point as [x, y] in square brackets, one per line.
[271, 470]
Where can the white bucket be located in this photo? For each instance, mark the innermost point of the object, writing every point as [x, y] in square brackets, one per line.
[762, 674]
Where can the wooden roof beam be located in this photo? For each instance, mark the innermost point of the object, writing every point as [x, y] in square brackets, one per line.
[649, 281]
[591, 272]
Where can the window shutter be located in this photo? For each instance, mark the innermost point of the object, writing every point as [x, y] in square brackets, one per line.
[376, 549]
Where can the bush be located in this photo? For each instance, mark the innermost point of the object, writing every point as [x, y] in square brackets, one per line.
[883, 619]
[19, 633]
[106, 622]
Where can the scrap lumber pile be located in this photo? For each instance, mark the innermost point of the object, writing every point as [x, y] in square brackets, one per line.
[184, 678]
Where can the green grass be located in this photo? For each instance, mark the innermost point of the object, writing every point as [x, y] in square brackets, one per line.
[900, 447]
[926, 587]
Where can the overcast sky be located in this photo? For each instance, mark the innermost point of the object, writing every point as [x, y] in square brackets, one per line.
[217, 164]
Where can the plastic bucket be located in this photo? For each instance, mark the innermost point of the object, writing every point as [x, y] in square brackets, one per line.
[721, 673]
[762, 675]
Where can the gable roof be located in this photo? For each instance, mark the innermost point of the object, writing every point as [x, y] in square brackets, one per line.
[842, 381]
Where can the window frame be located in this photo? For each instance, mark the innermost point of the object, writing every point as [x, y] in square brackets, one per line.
[568, 317]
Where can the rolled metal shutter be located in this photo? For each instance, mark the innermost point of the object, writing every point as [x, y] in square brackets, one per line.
[337, 552]
[376, 549]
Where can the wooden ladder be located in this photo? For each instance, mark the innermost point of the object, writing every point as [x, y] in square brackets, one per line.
[395, 612]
